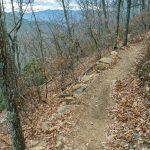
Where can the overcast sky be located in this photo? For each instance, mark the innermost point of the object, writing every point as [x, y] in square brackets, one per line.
[38, 5]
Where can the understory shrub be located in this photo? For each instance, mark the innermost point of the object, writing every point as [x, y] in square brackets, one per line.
[34, 73]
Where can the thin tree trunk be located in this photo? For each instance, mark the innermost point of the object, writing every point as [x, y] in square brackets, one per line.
[143, 2]
[127, 23]
[105, 16]
[148, 5]
[117, 28]
[67, 20]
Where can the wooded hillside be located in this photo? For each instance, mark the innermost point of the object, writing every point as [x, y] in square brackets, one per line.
[59, 75]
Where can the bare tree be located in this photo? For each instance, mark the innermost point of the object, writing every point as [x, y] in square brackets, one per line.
[66, 14]
[89, 18]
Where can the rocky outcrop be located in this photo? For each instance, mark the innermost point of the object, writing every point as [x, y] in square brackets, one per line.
[101, 66]
[106, 62]
[114, 54]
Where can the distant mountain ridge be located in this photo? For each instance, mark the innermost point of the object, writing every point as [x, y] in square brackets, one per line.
[43, 18]
[9, 22]
[51, 15]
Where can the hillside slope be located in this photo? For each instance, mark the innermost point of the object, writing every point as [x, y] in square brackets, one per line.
[80, 123]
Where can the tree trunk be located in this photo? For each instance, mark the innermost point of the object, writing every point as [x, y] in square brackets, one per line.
[143, 2]
[148, 5]
[10, 94]
[10, 85]
[117, 27]
[67, 20]
[13, 119]
[105, 16]
[127, 23]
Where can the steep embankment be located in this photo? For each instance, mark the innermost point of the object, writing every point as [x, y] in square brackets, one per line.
[89, 132]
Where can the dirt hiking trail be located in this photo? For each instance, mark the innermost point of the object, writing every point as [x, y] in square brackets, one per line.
[92, 111]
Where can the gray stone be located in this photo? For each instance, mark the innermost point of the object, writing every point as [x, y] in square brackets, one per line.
[62, 109]
[106, 60]
[65, 94]
[2, 120]
[114, 54]
[79, 88]
[147, 91]
[59, 145]
[40, 147]
[68, 100]
[101, 66]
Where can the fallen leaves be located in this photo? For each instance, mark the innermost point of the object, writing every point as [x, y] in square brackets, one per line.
[131, 115]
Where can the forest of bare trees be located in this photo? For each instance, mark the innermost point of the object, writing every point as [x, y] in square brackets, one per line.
[49, 52]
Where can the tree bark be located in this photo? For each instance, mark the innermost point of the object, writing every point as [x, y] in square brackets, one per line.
[127, 23]
[10, 85]
[148, 5]
[117, 27]
[143, 2]
[67, 19]
[105, 16]
[10, 94]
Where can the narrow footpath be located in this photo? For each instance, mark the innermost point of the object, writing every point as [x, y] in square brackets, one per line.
[89, 132]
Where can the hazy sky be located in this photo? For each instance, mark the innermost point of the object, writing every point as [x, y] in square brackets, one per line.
[37, 5]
